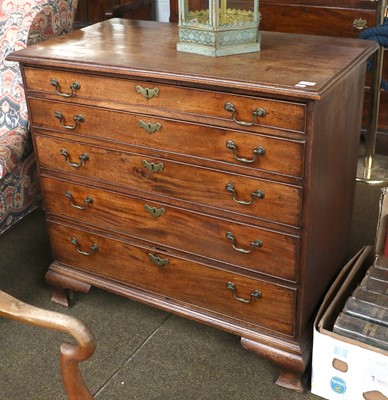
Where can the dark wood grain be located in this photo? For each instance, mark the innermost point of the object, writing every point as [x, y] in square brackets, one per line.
[280, 203]
[284, 61]
[278, 114]
[180, 280]
[315, 20]
[191, 139]
[277, 257]
[307, 173]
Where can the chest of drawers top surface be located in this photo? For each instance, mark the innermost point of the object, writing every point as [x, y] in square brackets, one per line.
[148, 49]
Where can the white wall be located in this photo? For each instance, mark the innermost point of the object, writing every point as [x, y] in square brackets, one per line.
[162, 10]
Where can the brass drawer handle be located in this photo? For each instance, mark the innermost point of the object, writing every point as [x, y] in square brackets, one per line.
[255, 294]
[255, 244]
[154, 212]
[360, 24]
[260, 112]
[258, 151]
[83, 157]
[73, 87]
[88, 200]
[77, 119]
[147, 93]
[93, 248]
[152, 167]
[160, 262]
[258, 194]
[150, 128]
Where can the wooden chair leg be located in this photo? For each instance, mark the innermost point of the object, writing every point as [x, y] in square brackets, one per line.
[71, 354]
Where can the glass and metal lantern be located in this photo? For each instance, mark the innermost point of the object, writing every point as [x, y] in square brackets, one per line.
[218, 27]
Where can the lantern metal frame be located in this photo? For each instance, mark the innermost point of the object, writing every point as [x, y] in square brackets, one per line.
[218, 30]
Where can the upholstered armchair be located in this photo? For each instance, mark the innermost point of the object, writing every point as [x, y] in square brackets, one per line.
[22, 22]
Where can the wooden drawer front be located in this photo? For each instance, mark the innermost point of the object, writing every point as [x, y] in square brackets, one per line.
[181, 280]
[176, 137]
[191, 102]
[273, 254]
[270, 200]
[324, 21]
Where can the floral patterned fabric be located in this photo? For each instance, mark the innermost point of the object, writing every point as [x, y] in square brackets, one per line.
[12, 148]
[22, 22]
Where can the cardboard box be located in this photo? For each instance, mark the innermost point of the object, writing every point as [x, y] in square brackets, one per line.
[342, 368]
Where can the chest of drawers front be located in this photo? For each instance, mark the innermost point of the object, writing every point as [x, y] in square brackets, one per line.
[121, 172]
[227, 205]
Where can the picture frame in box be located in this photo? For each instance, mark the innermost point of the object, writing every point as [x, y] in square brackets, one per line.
[382, 224]
[343, 368]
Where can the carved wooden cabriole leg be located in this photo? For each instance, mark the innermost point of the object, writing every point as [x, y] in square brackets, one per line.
[61, 283]
[292, 365]
[71, 354]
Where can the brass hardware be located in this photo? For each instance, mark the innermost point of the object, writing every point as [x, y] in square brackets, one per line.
[77, 119]
[255, 244]
[150, 128]
[152, 166]
[154, 212]
[258, 194]
[260, 112]
[147, 93]
[88, 200]
[83, 157]
[258, 151]
[360, 24]
[93, 248]
[73, 87]
[255, 294]
[160, 262]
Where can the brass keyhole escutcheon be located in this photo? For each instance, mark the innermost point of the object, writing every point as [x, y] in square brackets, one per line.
[159, 261]
[154, 212]
[360, 24]
[147, 93]
[153, 167]
[149, 127]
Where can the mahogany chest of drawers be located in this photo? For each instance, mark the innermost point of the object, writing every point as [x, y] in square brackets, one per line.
[220, 189]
